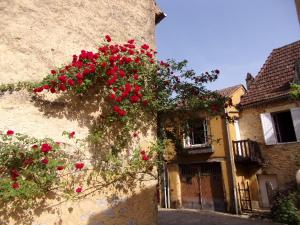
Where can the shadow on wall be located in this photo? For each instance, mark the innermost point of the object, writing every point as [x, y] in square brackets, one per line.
[89, 111]
[92, 111]
[138, 209]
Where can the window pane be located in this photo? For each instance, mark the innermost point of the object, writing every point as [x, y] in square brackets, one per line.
[284, 127]
[197, 133]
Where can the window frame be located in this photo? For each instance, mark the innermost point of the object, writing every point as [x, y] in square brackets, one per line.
[277, 131]
[187, 138]
[269, 128]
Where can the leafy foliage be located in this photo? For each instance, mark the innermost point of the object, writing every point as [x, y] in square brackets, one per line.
[285, 207]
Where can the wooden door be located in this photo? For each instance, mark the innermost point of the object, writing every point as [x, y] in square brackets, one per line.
[264, 181]
[202, 186]
[190, 189]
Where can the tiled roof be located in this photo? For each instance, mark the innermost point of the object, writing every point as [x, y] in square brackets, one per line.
[273, 80]
[229, 90]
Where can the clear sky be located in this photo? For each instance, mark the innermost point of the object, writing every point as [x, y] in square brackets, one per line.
[234, 36]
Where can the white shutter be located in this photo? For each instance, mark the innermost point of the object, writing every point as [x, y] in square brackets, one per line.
[268, 128]
[296, 121]
[237, 130]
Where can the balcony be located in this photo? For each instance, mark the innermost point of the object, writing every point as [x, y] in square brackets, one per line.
[247, 152]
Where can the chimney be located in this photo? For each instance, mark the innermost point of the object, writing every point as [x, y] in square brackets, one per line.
[249, 80]
[297, 72]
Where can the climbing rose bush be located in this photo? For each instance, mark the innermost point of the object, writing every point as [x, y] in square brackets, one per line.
[30, 168]
[131, 79]
[122, 71]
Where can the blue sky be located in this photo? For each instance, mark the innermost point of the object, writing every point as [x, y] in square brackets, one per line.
[234, 36]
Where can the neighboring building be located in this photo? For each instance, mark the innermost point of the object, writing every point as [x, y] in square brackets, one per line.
[298, 8]
[37, 36]
[268, 151]
[198, 160]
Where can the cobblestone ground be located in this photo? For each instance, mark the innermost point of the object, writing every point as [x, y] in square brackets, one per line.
[193, 217]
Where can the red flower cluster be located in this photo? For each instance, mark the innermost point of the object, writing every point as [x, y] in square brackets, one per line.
[79, 189]
[72, 134]
[117, 65]
[10, 132]
[144, 156]
[79, 165]
[46, 148]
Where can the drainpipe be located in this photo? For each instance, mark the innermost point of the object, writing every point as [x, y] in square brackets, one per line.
[166, 186]
[232, 165]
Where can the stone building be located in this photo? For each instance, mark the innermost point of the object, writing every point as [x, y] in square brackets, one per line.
[35, 37]
[199, 164]
[267, 153]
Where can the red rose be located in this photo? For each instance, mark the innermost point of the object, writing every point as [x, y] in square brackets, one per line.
[116, 109]
[145, 157]
[135, 76]
[103, 65]
[46, 86]
[134, 99]
[143, 152]
[10, 132]
[127, 60]
[130, 41]
[112, 96]
[122, 73]
[149, 54]
[72, 134]
[108, 38]
[34, 146]
[45, 161]
[79, 76]
[53, 72]
[122, 112]
[125, 94]
[15, 185]
[145, 46]
[71, 82]
[131, 52]
[79, 165]
[79, 189]
[52, 90]
[14, 174]
[46, 148]
[60, 167]
[62, 78]
[119, 99]
[127, 87]
[62, 87]
[137, 88]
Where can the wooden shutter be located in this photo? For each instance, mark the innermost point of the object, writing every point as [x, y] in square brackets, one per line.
[296, 121]
[268, 129]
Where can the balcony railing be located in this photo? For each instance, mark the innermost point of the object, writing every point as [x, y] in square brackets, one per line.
[247, 151]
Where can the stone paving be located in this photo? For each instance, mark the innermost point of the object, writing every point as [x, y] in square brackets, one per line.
[194, 217]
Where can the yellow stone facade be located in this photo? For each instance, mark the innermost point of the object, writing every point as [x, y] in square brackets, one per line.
[222, 133]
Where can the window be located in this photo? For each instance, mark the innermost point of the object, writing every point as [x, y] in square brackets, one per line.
[196, 134]
[284, 127]
[281, 127]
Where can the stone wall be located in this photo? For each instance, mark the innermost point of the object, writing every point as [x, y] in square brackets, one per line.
[280, 159]
[39, 35]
